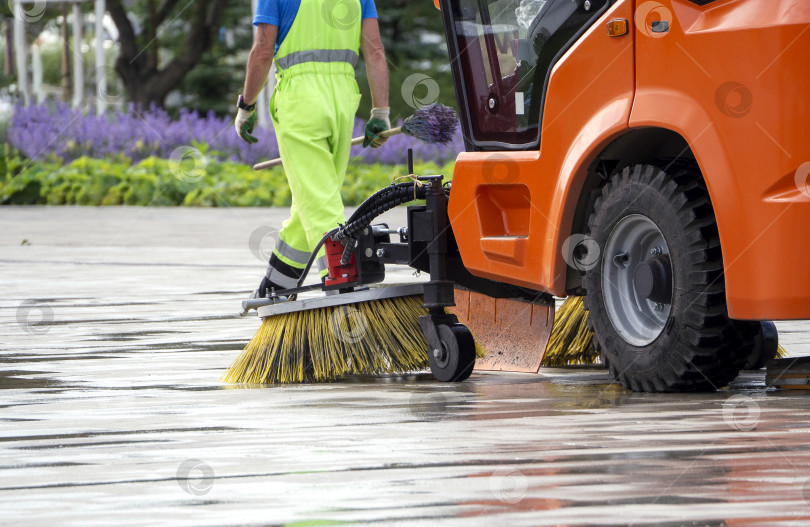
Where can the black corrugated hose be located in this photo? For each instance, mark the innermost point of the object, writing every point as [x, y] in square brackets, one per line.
[381, 202]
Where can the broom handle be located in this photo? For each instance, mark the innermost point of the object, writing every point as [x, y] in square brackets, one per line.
[356, 141]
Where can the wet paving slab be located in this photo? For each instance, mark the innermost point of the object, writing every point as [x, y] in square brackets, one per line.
[115, 325]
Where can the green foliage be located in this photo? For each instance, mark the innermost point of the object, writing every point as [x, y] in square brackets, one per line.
[156, 182]
[215, 82]
[413, 34]
[51, 53]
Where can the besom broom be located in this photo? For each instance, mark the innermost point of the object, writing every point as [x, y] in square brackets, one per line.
[434, 124]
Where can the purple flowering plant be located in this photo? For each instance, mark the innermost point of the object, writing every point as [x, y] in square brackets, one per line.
[67, 157]
[57, 132]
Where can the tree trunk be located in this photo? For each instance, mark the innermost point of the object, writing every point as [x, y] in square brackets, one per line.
[137, 63]
[67, 88]
[8, 27]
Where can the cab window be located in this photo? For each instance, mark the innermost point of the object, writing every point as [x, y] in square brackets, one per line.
[502, 53]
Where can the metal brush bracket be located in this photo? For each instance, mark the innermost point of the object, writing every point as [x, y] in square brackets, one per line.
[425, 241]
[430, 224]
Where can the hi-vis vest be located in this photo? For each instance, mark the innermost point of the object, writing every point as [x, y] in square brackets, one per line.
[324, 38]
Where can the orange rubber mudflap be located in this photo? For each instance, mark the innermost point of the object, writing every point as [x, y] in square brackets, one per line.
[515, 334]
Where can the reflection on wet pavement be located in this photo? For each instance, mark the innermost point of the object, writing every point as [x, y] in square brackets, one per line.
[111, 414]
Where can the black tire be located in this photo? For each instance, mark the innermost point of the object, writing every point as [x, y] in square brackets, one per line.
[764, 345]
[697, 347]
[455, 362]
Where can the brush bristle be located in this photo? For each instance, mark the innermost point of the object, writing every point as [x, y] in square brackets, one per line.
[433, 124]
[319, 345]
[571, 341]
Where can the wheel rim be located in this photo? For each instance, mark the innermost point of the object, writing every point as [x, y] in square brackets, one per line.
[635, 241]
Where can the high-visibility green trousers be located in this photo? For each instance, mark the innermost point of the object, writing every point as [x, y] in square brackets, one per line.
[313, 114]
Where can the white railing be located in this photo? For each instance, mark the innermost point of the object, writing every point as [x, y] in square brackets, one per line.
[21, 16]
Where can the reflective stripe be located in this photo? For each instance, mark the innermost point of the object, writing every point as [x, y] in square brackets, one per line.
[288, 252]
[281, 279]
[318, 55]
[322, 264]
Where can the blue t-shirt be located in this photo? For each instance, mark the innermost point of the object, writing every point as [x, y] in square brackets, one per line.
[282, 13]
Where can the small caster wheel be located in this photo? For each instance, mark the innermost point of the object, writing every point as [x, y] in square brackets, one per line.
[765, 348]
[456, 360]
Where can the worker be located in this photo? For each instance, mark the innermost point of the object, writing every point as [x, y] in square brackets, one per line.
[316, 46]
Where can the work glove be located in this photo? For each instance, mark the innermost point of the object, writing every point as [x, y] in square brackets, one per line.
[245, 123]
[379, 122]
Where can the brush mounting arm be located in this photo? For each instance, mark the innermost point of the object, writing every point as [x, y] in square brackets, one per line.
[373, 208]
[432, 225]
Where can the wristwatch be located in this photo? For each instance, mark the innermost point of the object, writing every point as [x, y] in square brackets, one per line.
[247, 107]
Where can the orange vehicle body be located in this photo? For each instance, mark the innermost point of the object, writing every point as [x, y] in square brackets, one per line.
[731, 80]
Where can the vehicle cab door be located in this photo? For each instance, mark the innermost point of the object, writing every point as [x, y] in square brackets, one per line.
[502, 54]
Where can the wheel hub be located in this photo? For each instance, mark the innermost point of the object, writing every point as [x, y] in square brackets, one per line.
[653, 280]
[637, 282]
[440, 355]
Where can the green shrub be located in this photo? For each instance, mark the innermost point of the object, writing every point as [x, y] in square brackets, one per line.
[157, 182]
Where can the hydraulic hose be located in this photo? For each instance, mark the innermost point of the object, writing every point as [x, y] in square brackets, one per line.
[399, 195]
[377, 196]
[314, 255]
[378, 204]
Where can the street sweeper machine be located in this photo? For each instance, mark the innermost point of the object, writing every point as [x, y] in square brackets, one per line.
[651, 157]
